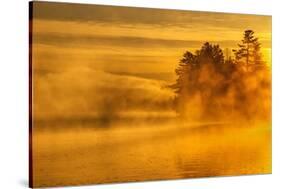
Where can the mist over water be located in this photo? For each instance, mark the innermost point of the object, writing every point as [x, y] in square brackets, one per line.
[101, 132]
[168, 149]
[92, 126]
[104, 110]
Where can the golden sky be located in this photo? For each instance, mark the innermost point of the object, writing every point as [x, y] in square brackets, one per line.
[95, 45]
[122, 39]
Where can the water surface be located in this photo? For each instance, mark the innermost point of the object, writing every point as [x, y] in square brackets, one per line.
[85, 152]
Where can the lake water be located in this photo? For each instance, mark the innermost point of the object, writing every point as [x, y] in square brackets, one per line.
[84, 152]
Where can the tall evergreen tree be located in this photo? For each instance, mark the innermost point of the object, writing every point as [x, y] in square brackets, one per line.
[248, 53]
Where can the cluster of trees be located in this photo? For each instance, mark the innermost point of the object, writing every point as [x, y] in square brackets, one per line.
[210, 86]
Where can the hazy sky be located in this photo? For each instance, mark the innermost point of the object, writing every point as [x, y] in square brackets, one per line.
[96, 43]
[125, 39]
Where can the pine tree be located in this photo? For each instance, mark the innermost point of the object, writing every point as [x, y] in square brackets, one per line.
[249, 50]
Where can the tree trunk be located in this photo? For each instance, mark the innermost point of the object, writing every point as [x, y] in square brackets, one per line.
[247, 60]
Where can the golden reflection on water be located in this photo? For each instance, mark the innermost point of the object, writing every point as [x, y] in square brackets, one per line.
[84, 154]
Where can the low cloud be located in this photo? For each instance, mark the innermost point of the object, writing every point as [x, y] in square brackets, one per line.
[83, 92]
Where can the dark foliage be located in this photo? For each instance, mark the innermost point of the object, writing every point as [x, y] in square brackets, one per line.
[211, 86]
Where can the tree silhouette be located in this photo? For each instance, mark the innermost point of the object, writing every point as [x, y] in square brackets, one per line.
[249, 50]
[212, 86]
[193, 72]
[210, 54]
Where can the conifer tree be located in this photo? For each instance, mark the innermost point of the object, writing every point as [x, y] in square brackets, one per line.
[248, 53]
